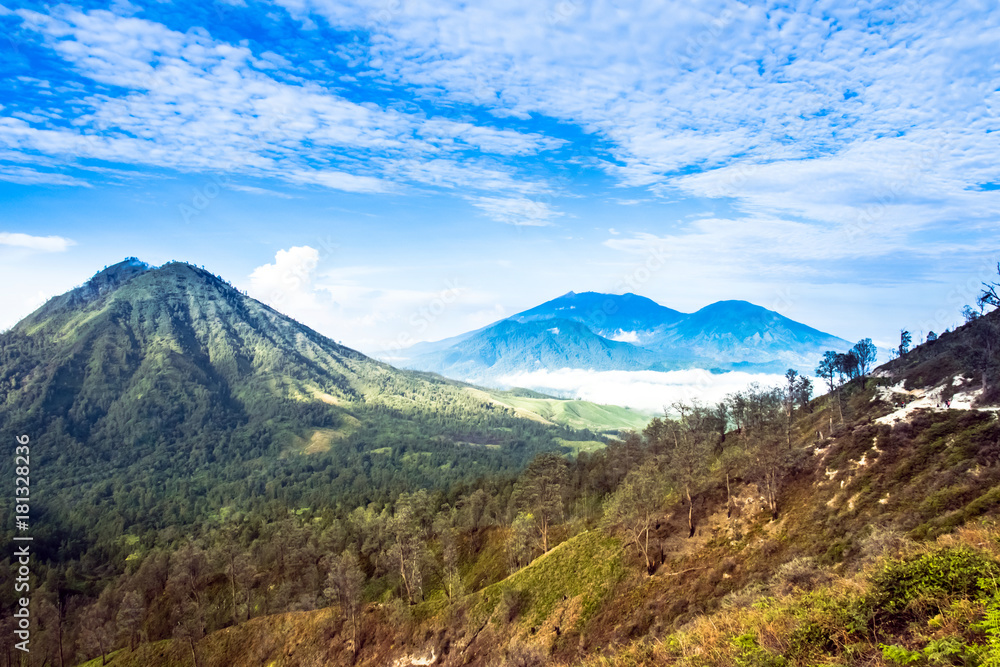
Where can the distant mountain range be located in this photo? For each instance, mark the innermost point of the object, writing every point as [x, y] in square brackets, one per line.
[626, 332]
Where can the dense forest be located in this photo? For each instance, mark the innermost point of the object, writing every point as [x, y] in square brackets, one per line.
[802, 529]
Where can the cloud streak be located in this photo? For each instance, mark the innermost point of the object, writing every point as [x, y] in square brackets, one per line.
[40, 243]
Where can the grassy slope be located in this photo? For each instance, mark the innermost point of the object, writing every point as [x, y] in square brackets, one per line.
[578, 414]
[589, 593]
[800, 591]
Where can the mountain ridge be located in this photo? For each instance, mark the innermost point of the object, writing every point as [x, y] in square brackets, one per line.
[627, 332]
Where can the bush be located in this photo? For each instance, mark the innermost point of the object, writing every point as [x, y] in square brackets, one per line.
[929, 580]
[752, 654]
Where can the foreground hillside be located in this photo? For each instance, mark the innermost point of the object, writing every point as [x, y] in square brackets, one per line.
[858, 528]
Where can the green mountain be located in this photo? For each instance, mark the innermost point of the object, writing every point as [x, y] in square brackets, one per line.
[157, 397]
[861, 528]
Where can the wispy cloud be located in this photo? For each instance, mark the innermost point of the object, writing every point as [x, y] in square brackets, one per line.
[41, 243]
[253, 190]
[519, 211]
[818, 112]
[194, 103]
[29, 176]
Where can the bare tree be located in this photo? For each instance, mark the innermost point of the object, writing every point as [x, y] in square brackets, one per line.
[189, 625]
[129, 618]
[407, 548]
[989, 295]
[633, 508]
[98, 628]
[345, 584]
[693, 434]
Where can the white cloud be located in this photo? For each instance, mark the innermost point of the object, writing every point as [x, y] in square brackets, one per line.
[519, 211]
[287, 284]
[644, 390]
[42, 243]
[29, 176]
[194, 103]
[626, 336]
[831, 112]
[367, 317]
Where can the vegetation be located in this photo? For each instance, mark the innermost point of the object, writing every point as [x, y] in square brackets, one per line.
[771, 529]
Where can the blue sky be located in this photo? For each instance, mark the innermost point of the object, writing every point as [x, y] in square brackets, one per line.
[397, 170]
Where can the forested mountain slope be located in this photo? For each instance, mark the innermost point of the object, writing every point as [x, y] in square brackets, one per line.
[857, 528]
[155, 399]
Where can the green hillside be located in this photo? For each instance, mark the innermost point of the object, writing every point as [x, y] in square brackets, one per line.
[856, 532]
[577, 414]
[157, 399]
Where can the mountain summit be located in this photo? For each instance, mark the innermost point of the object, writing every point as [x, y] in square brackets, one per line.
[629, 332]
[172, 376]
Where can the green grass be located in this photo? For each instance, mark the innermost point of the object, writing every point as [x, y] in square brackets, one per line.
[578, 446]
[588, 565]
[578, 414]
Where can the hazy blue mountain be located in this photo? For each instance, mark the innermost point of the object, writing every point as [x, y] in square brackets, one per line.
[627, 332]
[615, 316]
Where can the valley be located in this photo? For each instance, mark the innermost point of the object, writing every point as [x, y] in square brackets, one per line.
[225, 486]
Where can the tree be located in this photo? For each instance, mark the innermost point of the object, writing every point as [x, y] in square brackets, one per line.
[989, 295]
[345, 584]
[761, 436]
[803, 392]
[98, 633]
[847, 364]
[129, 618]
[189, 625]
[866, 353]
[634, 506]
[693, 433]
[792, 377]
[408, 547]
[827, 368]
[540, 492]
[931, 336]
[904, 341]
[519, 541]
[239, 571]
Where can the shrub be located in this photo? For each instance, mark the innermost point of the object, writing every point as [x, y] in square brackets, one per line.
[928, 579]
[752, 654]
